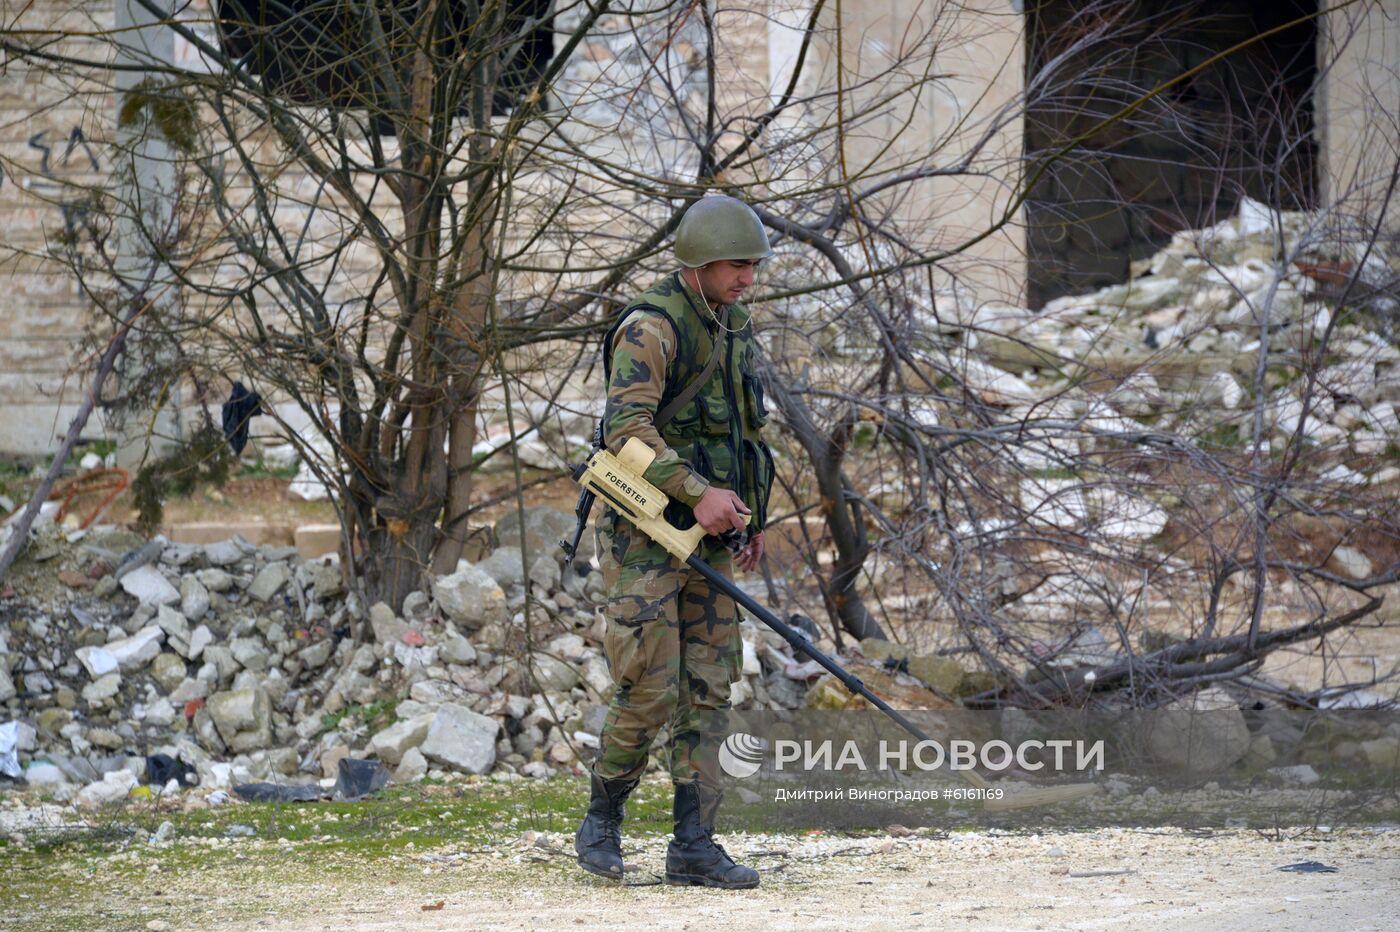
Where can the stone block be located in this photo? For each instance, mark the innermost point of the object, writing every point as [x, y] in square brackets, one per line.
[461, 739]
[150, 587]
[269, 581]
[470, 597]
[316, 540]
[243, 718]
[390, 744]
[211, 532]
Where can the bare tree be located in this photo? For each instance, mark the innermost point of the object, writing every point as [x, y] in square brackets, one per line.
[422, 218]
[1160, 483]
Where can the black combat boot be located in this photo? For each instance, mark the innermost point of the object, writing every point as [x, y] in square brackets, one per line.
[599, 839]
[694, 858]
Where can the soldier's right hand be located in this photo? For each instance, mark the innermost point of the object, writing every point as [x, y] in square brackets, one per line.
[719, 510]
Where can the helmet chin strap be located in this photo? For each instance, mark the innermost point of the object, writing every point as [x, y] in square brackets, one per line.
[695, 283]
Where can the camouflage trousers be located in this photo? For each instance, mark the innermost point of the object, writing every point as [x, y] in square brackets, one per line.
[673, 648]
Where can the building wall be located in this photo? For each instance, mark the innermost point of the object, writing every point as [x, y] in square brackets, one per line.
[974, 74]
[1237, 126]
[52, 140]
[1359, 118]
[965, 64]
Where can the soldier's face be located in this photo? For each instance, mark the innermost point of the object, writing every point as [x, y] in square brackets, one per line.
[726, 281]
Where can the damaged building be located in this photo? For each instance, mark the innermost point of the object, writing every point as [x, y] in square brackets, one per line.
[1285, 104]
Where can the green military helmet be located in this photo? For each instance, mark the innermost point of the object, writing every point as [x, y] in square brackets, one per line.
[719, 227]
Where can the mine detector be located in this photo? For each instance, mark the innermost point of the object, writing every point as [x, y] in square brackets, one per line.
[618, 479]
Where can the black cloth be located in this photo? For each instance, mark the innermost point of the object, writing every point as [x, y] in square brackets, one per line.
[242, 406]
[162, 768]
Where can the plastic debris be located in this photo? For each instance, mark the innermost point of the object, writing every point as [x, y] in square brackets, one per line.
[1309, 867]
[162, 768]
[278, 792]
[356, 779]
[9, 750]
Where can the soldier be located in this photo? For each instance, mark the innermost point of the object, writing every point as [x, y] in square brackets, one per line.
[680, 364]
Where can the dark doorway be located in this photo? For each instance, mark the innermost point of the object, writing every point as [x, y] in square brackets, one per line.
[313, 51]
[1240, 126]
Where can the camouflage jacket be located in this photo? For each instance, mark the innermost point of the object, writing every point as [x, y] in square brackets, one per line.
[659, 345]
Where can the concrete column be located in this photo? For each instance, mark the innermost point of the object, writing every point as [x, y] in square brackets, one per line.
[1358, 107]
[742, 67]
[144, 187]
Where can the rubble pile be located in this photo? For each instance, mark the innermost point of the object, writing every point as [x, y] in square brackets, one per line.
[1181, 338]
[244, 664]
[252, 665]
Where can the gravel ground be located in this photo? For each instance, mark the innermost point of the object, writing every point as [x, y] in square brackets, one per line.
[1158, 879]
[487, 855]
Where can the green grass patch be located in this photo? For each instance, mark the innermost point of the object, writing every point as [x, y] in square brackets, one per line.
[376, 716]
[427, 815]
[104, 874]
[264, 470]
[15, 480]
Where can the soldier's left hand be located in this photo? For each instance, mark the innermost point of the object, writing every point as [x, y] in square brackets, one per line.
[748, 556]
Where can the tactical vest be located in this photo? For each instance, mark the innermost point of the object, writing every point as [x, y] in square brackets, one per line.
[719, 431]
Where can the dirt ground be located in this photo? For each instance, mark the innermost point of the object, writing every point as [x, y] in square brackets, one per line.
[291, 873]
[1173, 881]
[1094, 880]
[265, 499]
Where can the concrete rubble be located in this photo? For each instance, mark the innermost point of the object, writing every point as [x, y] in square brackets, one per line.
[283, 683]
[250, 664]
[1177, 347]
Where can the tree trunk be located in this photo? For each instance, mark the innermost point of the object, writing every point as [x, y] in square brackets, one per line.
[469, 322]
[844, 603]
[461, 440]
[397, 562]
